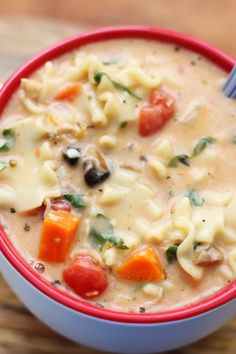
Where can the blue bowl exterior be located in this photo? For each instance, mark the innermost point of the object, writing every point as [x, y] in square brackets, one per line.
[112, 336]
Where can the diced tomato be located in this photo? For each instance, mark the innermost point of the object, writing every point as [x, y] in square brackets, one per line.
[154, 116]
[60, 204]
[85, 276]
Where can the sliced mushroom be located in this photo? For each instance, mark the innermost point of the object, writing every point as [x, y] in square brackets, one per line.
[95, 167]
[206, 255]
[71, 154]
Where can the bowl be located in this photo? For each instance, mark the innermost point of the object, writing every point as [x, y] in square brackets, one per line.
[78, 320]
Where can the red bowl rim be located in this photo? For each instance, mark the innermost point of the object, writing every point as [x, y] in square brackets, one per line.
[222, 60]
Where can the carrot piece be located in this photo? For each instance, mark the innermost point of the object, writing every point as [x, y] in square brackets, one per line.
[58, 232]
[69, 92]
[143, 265]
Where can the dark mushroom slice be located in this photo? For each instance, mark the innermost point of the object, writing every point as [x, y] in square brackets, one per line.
[95, 167]
[206, 255]
[72, 154]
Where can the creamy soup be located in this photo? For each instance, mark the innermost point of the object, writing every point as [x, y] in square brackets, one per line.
[117, 175]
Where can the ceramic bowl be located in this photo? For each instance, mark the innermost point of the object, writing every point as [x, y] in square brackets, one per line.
[78, 320]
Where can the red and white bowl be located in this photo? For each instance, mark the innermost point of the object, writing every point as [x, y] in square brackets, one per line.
[78, 320]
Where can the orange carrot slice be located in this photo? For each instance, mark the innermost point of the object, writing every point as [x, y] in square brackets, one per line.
[143, 265]
[69, 92]
[58, 233]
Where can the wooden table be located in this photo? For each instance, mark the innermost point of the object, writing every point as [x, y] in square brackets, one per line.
[21, 36]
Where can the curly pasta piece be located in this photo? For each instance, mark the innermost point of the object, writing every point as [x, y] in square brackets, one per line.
[88, 66]
[115, 110]
[232, 260]
[185, 254]
[208, 223]
[7, 196]
[135, 76]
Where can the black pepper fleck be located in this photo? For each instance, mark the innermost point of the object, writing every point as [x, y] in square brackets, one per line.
[176, 48]
[142, 309]
[12, 210]
[168, 177]
[142, 158]
[193, 63]
[131, 147]
[27, 227]
[100, 190]
[56, 282]
[203, 220]
[124, 101]
[99, 305]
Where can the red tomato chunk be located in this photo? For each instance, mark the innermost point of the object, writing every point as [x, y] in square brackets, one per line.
[85, 276]
[153, 116]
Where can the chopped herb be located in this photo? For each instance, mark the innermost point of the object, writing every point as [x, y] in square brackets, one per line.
[123, 124]
[3, 165]
[142, 309]
[233, 139]
[196, 244]
[102, 232]
[109, 62]
[194, 198]
[184, 159]
[9, 136]
[27, 227]
[98, 76]
[171, 252]
[76, 200]
[202, 144]
[12, 210]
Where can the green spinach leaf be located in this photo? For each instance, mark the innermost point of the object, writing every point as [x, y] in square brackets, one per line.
[77, 200]
[171, 252]
[9, 137]
[102, 231]
[98, 76]
[194, 198]
[202, 144]
[184, 159]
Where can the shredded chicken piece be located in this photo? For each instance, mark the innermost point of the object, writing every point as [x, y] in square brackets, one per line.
[32, 88]
[206, 255]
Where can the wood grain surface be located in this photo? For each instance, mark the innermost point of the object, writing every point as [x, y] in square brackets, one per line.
[28, 26]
